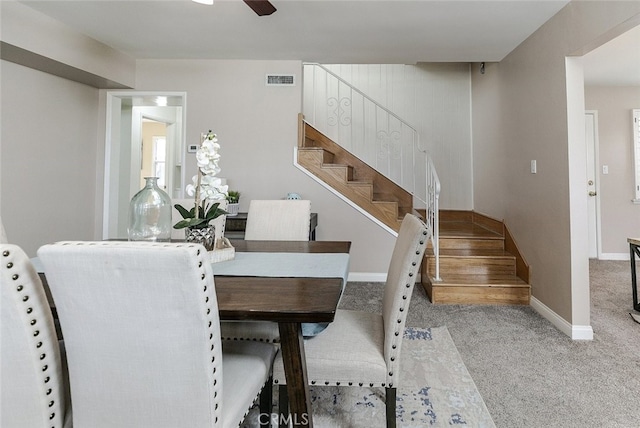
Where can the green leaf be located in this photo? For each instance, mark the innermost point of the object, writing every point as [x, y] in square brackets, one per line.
[183, 211]
[214, 212]
[191, 222]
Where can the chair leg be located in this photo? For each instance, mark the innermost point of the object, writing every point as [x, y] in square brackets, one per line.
[390, 398]
[283, 406]
[266, 403]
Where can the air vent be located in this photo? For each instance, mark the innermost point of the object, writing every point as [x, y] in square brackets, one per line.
[281, 80]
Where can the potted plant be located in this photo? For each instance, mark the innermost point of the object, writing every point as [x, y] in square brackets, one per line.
[206, 189]
[233, 202]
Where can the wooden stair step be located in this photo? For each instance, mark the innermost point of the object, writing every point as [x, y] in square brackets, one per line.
[466, 230]
[473, 262]
[470, 244]
[475, 252]
[496, 294]
[481, 280]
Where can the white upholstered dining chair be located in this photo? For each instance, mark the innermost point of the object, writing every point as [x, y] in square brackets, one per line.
[270, 220]
[33, 382]
[141, 329]
[362, 348]
[278, 220]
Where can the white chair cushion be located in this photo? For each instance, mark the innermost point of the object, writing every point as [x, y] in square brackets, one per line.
[237, 383]
[349, 350]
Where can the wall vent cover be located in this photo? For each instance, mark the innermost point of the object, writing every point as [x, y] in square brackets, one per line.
[281, 80]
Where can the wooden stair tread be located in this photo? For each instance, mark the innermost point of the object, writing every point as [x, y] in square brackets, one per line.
[466, 230]
[360, 182]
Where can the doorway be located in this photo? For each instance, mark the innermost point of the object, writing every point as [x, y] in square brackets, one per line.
[593, 185]
[129, 158]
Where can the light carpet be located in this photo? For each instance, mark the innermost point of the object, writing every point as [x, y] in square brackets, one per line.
[436, 391]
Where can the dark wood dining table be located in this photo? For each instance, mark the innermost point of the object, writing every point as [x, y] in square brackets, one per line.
[289, 301]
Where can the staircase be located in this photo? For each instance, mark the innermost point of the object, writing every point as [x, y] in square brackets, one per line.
[348, 175]
[374, 159]
[479, 263]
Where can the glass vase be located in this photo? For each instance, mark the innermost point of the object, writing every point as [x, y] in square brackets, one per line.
[204, 235]
[150, 213]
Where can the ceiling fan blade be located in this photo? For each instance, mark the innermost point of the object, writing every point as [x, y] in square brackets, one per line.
[261, 7]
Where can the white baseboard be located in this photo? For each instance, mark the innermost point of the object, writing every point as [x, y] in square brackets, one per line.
[575, 332]
[614, 256]
[367, 277]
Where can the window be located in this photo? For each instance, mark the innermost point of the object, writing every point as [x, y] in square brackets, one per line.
[636, 153]
[159, 160]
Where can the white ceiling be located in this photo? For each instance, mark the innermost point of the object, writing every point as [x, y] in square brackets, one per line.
[324, 31]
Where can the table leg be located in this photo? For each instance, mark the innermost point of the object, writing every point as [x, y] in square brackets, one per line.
[633, 249]
[295, 370]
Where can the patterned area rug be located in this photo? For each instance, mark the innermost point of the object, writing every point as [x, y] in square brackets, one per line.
[436, 391]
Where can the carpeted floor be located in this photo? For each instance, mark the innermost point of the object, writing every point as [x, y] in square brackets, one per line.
[528, 373]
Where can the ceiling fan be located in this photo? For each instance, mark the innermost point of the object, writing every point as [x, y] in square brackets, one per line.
[261, 7]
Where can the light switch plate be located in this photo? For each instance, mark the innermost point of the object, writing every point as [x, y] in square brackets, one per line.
[534, 167]
[192, 148]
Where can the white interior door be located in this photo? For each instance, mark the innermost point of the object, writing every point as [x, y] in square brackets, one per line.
[593, 204]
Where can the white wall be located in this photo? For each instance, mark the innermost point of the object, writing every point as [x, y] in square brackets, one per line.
[620, 218]
[489, 149]
[49, 157]
[257, 130]
[434, 98]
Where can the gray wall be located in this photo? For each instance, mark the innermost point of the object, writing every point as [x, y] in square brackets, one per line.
[50, 152]
[525, 108]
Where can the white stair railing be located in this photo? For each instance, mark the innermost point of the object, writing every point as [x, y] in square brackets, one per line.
[376, 135]
[432, 210]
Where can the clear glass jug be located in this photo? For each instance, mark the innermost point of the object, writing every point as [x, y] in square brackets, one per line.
[150, 213]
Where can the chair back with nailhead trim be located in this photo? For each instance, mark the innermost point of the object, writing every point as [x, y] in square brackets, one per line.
[401, 277]
[142, 332]
[32, 386]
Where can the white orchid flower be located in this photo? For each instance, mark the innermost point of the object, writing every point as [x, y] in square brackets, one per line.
[210, 147]
[191, 188]
[212, 188]
[206, 184]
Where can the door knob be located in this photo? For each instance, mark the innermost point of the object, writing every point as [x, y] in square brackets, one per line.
[592, 193]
